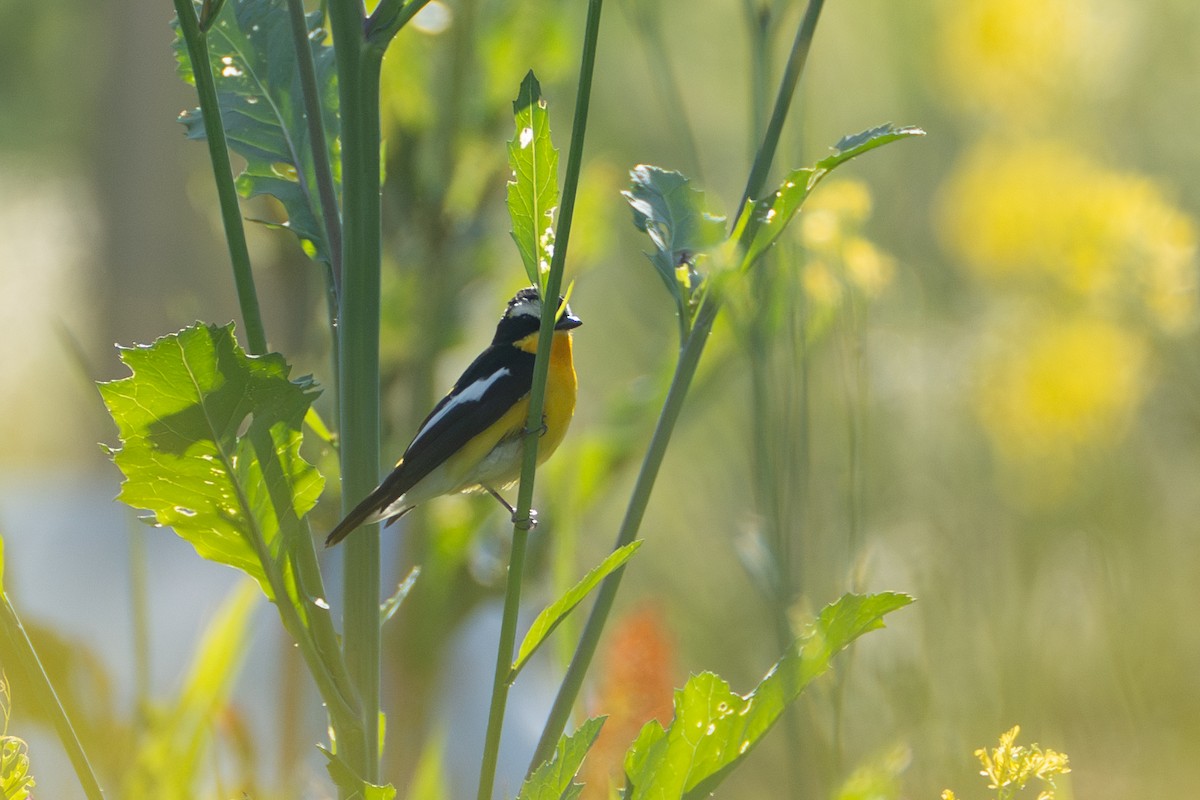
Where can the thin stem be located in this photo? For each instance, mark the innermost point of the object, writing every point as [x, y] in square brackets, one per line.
[689, 358]
[358, 320]
[218, 153]
[783, 101]
[512, 598]
[316, 135]
[25, 658]
[685, 370]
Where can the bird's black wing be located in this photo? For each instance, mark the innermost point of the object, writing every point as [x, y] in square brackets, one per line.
[489, 387]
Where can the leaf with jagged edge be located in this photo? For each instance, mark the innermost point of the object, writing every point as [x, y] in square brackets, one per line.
[262, 108]
[714, 728]
[210, 445]
[673, 215]
[533, 192]
[771, 215]
[554, 780]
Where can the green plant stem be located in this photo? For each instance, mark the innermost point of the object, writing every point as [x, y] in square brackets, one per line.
[389, 17]
[783, 102]
[689, 358]
[550, 293]
[358, 383]
[323, 174]
[231, 213]
[26, 659]
[685, 370]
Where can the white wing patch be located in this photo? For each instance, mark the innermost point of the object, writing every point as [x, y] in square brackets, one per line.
[471, 394]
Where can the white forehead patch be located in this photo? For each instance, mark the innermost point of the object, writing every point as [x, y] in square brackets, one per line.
[526, 308]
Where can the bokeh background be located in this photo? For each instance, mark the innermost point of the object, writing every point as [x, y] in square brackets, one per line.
[969, 373]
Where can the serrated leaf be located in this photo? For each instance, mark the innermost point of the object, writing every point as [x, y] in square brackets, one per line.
[772, 214]
[557, 611]
[714, 728]
[553, 780]
[346, 779]
[258, 86]
[673, 215]
[210, 444]
[533, 192]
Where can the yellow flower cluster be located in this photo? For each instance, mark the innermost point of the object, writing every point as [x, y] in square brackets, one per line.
[1010, 766]
[838, 256]
[1022, 58]
[1042, 218]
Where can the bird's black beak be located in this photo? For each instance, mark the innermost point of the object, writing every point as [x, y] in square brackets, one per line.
[567, 321]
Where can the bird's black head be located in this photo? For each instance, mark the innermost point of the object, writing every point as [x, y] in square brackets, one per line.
[523, 316]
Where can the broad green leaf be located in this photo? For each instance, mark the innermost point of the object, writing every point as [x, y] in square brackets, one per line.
[672, 214]
[210, 445]
[772, 214]
[346, 779]
[172, 756]
[553, 780]
[533, 191]
[557, 611]
[714, 728]
[262, 108]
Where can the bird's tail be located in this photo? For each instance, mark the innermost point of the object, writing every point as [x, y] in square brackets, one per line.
[368, 511]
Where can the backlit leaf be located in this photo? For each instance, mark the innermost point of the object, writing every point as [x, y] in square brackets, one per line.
[557, 611]
[673, 215]
[533, 191]
[772, 214]
[258, 86]
[715, 728]
[210, 444]
[553, 780]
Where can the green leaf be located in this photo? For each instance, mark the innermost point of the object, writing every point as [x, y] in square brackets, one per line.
[533, 191]
[351, 784]
[258, 85]
[714, 728]
[772, 214]
[210, 445]
[672, 214]
[172, 756]
[557, 611]
[553, 780]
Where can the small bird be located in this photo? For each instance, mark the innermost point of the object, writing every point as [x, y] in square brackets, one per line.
[472, 440]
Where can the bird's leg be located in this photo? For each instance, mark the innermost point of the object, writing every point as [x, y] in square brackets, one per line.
[539, 431]
[525, 524]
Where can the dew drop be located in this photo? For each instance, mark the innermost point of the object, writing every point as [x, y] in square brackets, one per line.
[319, 602]
[187, 512]
[526, 137]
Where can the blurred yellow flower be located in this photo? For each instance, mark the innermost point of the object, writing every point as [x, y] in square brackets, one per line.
[1059, 385]
[1042, 217]
[1024, 58]
[838, 258]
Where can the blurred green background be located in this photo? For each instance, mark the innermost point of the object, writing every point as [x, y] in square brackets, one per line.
[970, 373]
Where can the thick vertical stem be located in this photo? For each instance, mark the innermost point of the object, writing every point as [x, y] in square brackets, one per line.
[358, 328]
